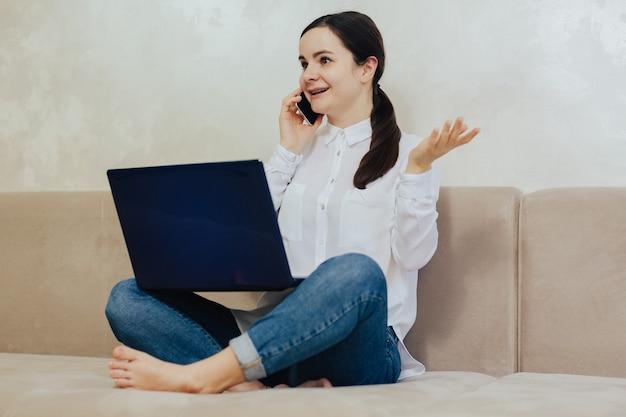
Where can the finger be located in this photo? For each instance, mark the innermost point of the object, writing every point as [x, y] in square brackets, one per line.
[434, 134]
[444, 135]
[295, 93]
[458, 129]
[463, 129]
[469, 136]
[465, 139]
[289, 111]
[445, 131]
[292, 98]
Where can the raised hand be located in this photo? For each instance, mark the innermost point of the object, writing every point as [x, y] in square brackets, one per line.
[439, 144]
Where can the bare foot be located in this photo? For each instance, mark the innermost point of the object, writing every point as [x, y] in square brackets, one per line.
[257, 385]
[131, 368]
[247, 386]
[316, 383]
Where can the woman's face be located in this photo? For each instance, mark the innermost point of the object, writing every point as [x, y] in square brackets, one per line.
[334, 84]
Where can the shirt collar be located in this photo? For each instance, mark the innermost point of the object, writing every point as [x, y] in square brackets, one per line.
[354, 134]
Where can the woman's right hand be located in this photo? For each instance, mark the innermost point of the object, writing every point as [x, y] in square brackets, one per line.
[295, 135]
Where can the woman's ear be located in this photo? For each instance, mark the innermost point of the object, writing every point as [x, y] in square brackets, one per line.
[369, 69]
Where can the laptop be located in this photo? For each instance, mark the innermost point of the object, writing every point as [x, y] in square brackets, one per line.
[201, 227]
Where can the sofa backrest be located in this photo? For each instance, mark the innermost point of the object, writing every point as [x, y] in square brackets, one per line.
[573, 281]
[467, 294]
[60, 254]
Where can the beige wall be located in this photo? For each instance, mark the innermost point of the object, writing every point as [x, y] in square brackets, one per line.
[86, 85]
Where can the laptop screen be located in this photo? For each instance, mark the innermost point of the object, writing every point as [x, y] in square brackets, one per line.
[201, 227]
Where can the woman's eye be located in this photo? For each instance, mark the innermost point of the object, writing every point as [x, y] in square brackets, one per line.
[304, 64]
[325, 60]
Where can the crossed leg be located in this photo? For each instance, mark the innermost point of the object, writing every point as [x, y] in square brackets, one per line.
[221, 371]
[131, 368]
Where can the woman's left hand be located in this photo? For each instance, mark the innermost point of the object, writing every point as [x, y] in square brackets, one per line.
[438, 144]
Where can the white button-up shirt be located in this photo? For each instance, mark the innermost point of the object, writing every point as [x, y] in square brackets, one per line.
[322, 215]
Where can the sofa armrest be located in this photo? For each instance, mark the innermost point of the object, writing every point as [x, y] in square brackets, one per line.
[573, 281]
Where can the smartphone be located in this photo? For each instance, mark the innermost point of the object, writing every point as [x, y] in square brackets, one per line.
[304, 107]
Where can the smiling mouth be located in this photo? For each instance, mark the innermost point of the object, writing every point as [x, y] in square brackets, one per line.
[316, 92]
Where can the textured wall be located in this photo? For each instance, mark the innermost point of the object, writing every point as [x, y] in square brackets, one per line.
[86, 85]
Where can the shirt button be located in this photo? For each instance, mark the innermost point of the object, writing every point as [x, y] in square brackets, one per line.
[321, 241]
[332, 181]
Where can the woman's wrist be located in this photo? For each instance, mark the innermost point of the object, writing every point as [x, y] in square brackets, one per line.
[287, 155]
[415, 168]
[290, 147]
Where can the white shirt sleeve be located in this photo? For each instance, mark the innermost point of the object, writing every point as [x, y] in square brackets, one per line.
[279, 172]
[414, 233]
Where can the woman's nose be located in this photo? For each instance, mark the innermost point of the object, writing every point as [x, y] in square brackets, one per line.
[310, 73]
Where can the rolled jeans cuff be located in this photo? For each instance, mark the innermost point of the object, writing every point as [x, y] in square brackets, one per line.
[248, 357]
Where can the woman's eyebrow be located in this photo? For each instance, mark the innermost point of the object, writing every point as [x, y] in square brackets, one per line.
[316, 54]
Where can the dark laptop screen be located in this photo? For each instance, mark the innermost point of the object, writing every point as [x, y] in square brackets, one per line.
[200, 226]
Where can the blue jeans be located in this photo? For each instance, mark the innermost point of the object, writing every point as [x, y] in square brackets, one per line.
[333, 325]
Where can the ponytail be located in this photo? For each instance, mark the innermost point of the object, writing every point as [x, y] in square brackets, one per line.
[385, 143]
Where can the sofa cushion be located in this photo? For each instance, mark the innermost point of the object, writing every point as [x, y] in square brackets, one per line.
[467, 294]
[38, 385]
[538, 395]
[573, 281]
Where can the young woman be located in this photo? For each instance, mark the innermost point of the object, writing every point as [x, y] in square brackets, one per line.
[356, 200]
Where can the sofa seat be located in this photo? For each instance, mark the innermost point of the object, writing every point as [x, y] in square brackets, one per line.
[538, 394]
[38, 385]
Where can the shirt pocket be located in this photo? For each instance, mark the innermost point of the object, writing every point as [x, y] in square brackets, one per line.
[365, 219]
[290, 213]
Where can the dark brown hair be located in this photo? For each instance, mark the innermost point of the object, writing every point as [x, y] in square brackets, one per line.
[361, 37]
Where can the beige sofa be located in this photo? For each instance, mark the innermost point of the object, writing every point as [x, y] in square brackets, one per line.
[522, 311]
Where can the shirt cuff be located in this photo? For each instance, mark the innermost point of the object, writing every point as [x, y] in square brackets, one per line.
[414, 186]
[286, 155]
[283, 160]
